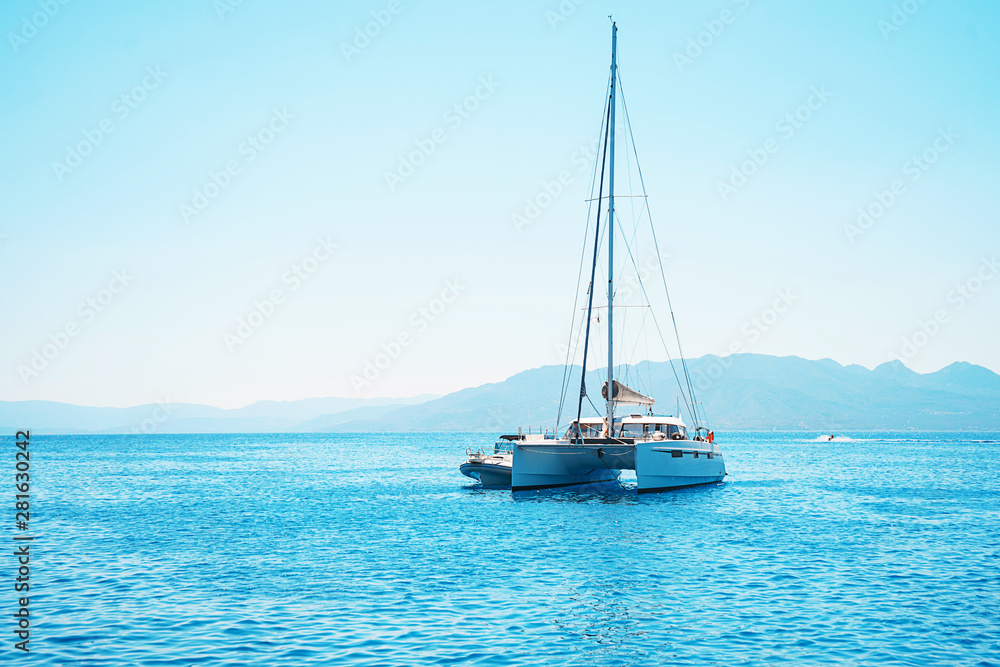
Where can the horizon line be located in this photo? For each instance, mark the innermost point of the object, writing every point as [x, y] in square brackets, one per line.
[432, 396]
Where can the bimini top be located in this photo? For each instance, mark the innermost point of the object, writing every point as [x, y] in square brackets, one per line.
[625, 396]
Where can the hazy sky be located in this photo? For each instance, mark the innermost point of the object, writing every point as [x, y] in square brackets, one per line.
[169, 169]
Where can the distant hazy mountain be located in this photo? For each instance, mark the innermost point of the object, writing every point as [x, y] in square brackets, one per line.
[262, 416]
[745, 391]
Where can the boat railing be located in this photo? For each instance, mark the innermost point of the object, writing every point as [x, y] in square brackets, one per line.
[477, 454]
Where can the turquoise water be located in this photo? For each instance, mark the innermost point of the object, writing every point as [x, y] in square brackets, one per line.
[373, 549]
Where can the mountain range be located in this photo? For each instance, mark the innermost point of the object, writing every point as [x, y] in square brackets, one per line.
[743, 391]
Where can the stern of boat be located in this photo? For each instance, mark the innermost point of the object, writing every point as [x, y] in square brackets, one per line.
[555, 464]
[674, 464]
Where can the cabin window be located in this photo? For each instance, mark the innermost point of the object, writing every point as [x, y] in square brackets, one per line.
[696, 454]
[673, 429]
[632, 431]
[586, 430]
[709, 454]
[676, 453]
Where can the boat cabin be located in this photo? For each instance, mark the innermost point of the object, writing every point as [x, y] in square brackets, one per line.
[638, 427]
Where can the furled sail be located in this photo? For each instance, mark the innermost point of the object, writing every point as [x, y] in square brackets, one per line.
[625, 396]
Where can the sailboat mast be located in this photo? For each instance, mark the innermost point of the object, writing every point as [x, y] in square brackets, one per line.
[611, 233]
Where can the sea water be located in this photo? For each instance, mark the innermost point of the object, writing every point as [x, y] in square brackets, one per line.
[362, 549]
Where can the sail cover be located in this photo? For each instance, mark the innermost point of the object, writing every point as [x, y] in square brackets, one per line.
[624, 395]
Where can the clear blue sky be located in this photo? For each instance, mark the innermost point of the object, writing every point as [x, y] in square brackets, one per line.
[199, 81]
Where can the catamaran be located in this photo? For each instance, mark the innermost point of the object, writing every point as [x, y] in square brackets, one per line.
[593, 450]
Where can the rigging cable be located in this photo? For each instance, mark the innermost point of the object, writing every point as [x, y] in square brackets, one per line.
[680, 351]
[579, 277]
[593, 270]
[663, 340]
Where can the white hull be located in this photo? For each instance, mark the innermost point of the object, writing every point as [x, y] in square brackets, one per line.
[557, 463]
[659, 465]
[658, 468]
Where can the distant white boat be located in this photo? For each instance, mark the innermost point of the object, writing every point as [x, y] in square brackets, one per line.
[661, 450]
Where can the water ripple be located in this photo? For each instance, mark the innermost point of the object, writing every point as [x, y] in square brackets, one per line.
[372, 549]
